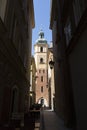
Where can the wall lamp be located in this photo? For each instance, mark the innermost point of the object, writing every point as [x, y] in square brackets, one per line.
[51, 64]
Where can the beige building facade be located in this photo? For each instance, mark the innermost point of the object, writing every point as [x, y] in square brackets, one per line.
[41, 60]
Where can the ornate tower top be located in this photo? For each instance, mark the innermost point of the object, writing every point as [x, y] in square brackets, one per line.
[41, 38]
[41, 34]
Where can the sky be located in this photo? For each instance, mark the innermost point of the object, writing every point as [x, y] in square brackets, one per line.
[42, 20]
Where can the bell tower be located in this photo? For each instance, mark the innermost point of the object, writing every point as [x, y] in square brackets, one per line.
[41, 60]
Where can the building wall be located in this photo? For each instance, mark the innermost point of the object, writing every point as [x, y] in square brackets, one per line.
[69, 46]
[63, 92]
[77, 43]
[44, 93]
[13, 48]
[78, 63]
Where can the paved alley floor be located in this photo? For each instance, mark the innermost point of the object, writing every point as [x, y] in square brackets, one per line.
[50, 121]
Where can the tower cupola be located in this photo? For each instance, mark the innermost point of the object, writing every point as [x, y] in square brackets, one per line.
[41, 38]
[41, 34]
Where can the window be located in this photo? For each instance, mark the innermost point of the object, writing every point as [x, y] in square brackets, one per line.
[41, 89]
[43, 71]
[41, 78]
[41, 60]
[41, 49]
[39, 71]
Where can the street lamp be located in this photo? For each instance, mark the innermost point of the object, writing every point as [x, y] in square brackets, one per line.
[51, 64]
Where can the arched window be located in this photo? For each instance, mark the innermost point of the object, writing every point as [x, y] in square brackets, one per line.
[41, 49]
[41, 60]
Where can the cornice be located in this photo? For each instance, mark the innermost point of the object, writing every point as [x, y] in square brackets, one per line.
[31, 8]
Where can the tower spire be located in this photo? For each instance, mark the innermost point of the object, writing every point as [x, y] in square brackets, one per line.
[41, 38]
[41, 34]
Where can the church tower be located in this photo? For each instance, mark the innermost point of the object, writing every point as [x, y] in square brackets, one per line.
[41, 60]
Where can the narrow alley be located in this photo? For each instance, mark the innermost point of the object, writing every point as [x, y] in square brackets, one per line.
[51, 121]
[43, 89]
[45, 121]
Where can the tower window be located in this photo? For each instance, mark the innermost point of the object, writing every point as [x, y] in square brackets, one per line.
[39, 71]
[41, 78]
[41, 36]
[41, 89]
[41, 49]
[41, 60]
[43, 71]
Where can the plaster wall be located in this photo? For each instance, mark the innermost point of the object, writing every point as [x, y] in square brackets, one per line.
[78, 69]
